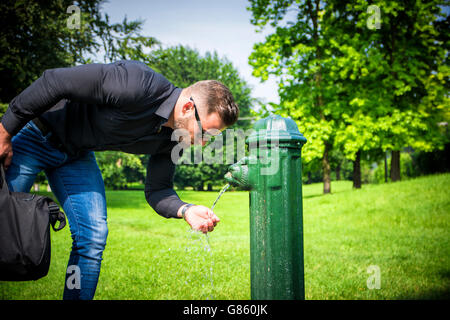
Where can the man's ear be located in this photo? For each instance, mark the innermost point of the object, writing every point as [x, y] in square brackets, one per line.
[187, 108]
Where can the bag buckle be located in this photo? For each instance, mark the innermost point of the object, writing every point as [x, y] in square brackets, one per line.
[56, 215]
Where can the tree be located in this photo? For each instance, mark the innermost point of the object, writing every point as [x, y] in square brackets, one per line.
[353, 84]
[298, 53]
[113, 164]
[386, 69]
[414, 73]
[39, 35]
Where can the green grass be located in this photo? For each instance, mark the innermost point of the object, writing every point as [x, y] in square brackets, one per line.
[404, 228]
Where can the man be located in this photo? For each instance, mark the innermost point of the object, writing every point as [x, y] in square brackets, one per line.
[58, 122]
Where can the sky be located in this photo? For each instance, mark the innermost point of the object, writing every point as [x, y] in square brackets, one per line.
[205, 25]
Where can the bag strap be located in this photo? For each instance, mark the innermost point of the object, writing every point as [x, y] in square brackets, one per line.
[56, 215]
[3, 183]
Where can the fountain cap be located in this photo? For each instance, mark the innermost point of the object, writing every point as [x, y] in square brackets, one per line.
[275, 127]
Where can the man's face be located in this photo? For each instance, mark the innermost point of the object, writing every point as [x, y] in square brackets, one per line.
[211, 123]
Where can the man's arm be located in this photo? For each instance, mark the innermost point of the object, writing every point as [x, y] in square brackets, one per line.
[6, 151]
[165, 201]
[80, 83]
[159, 190]
[124, 83]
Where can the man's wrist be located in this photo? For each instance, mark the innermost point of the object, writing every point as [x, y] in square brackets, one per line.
[179, 210]
[4, 133]
[11, 123]
[183, 210]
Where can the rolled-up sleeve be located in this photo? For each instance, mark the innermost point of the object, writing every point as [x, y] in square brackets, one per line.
[159, 190]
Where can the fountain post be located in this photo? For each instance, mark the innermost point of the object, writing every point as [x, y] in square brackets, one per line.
[273, 174]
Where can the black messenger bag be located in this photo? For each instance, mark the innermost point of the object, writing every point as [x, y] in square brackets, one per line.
[25, 221]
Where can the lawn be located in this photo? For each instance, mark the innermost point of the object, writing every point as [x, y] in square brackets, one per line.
[402, 228]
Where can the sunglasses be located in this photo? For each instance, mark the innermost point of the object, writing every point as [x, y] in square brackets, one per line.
[205, 133]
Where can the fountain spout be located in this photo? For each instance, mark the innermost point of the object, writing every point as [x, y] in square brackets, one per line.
[238, 174]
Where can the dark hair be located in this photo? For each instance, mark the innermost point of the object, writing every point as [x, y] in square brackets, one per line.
[218, 98]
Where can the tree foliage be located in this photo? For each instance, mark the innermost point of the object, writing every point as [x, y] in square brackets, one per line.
[352, 85]
[113, 165]
[39, 35]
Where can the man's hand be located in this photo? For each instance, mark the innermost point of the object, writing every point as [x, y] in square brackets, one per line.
[6, 152]
[201, 218]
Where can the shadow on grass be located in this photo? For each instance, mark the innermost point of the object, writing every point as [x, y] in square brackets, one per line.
[437, 294]
[316, 195]
[434, 294]
[313, 196]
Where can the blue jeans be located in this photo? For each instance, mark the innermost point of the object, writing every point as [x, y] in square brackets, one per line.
[78, 185]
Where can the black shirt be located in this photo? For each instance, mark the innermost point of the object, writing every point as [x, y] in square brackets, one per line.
[118, 106]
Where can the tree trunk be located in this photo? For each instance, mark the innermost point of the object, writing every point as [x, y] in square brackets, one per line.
[385, 167]
[326, 171]
[395, 166]
[338, 172]
[357, 171]
[313, 11]
[210, 187]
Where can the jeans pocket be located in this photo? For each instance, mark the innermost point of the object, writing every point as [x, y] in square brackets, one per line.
[30, 129]
[37, 132]
[28, 126]
[31, 138]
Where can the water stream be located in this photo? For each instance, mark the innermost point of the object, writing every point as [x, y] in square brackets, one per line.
[220, 194]
[198, 249]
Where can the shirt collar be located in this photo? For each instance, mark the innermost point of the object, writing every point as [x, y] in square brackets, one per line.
[167, 106]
